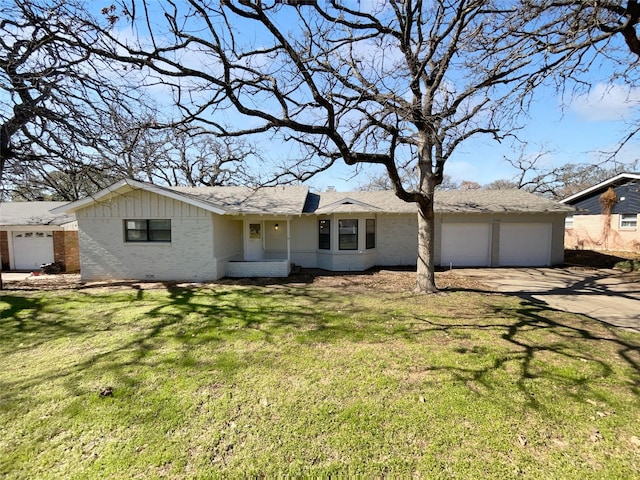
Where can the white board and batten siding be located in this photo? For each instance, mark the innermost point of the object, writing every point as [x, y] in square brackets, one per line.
[140, 204]
[104, 253]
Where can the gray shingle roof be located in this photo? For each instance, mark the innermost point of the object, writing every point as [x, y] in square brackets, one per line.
[448, 201]
[496, 201]
[32, 213]
[296, 200]
[266, 200]
[360, 202]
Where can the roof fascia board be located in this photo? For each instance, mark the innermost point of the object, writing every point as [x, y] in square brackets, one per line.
[135, 185]
[586, 191]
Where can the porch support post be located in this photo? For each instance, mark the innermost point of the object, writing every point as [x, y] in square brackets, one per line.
[288, 240]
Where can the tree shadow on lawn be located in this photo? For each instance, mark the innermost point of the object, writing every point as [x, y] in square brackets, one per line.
[546, 343]
[24, 324]
[189, 318]
[165, 335]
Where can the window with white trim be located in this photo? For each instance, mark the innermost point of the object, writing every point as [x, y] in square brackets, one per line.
[628, 220]
[140, 231]
[324, 234]
[568, 221]
[348, 234]
[370, 239]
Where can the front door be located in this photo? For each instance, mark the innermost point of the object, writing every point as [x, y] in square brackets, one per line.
[253, 245]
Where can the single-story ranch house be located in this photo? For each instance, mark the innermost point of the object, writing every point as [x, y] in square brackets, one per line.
[31, 235]
[135, 230]
[598, 226]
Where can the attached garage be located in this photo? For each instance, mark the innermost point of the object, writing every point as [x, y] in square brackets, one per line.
[32, 249]
[525, 244]
[466, 244]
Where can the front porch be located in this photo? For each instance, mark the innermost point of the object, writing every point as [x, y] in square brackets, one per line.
[266, 249]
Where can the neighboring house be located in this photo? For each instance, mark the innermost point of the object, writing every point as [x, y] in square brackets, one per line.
[31, 235]
[596, 227]
[134, 230]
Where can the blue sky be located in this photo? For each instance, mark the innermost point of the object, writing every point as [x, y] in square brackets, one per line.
[582, 129]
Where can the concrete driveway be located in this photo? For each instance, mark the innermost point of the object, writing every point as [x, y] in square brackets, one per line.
[15, 276]
[610, 296]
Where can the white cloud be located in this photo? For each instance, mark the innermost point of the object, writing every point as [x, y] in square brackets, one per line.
[607, 102]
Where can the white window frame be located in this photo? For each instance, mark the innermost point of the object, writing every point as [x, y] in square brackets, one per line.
[348, 227]
[147, 229]
[568, 221]
[325, 235]
[628, 220]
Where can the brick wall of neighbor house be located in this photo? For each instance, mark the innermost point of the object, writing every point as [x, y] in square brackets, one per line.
[4, 250]
[66, 250]
[589, 232]
[104, 254]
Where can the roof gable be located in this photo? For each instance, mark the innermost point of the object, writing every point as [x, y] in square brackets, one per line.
[620, 178]
[347, 205]
[220, 200]
[128, 185]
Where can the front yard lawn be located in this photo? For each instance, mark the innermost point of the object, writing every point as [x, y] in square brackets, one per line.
[228, 381]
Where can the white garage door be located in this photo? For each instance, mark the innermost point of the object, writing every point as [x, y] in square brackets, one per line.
[32, 249]
[466, 245]
[525, 244]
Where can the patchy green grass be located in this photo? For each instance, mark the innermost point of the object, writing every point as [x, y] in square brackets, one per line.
[274, 381]
[631, 265]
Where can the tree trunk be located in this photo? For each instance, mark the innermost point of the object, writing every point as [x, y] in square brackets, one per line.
[426, 280]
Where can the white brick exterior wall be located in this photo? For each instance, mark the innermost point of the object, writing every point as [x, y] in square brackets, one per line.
[268, 268]
[304, 241]
[397, 239]
[105, 255]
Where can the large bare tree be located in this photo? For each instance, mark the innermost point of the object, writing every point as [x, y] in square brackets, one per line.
[400, 85]
[599, 42]
[73, 121]
[54, 93]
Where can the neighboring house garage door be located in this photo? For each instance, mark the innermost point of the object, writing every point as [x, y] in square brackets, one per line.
[466, 244]
[32, 249]
[525, 244]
